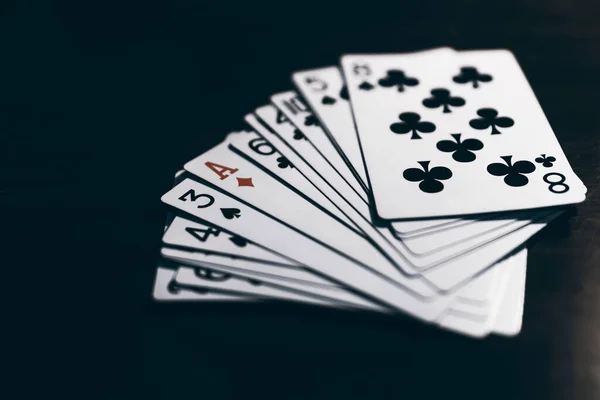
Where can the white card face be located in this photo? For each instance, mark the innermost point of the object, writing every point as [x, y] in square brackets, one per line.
[445, 238]
[506, 157]
[244, 180]
[224, 283]
[185, 233]
[476, 299]
[315, 168]
[509, 318]
[479, 295]
[241, 266]
[322, 89]
[318, 87]
[327, 95]
[216, 208]
[325, 91]
[262, 152]
[502, 313]
[331, 293]
[452, 273]
[195, 289]
[300, 115]
[410, 263]
[423, 226]
[167, 289]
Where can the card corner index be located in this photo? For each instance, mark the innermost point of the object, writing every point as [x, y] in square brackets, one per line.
[275, 96]
[165, 198]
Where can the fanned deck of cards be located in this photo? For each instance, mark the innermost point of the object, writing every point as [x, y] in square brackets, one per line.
[394, 183]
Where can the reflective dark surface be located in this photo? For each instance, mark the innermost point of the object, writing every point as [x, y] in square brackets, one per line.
[101, 103]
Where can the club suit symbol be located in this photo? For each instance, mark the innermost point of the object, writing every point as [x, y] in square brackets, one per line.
[397, 78]
[514, 174]
[442, 97]
[344, 93]
[411, 122]
[429, 179]
[470, 74]
[490, 118]
[283, 162]
[461, 151]
[546, 161]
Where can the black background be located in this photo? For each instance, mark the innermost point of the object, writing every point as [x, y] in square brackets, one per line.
[101, 102]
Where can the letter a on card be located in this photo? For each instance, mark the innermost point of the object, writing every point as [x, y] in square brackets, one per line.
[221, 170]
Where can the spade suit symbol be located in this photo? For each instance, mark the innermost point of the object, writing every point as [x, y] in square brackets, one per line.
[298, 135]
[239, 241]
[365, 86]
[283, 162]
[344, 93]
[328, 100]
[230, 213]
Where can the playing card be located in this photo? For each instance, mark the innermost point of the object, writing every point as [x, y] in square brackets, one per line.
[167, 289]
[410, 228]
[510, 316]
[261, 152]
[442, 128]
[266, 274]
[241, 145]
[315, 168]
[195, 287]
[457, 308]
[326, 93]
[477, 297]
[474, 233]
[240, 266]
[215, 282]
[299, 114]
[216, 208]
[452, 273]
[319, 88]
[183, 233]
[503, 315]
[253, 186]
[475, 254]
[327, 96]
